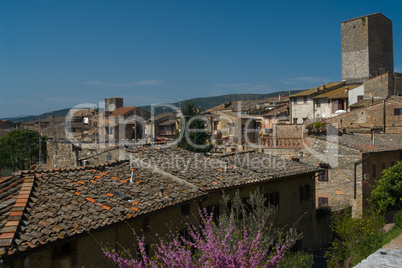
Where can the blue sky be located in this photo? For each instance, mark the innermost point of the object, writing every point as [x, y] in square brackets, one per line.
[58, 54]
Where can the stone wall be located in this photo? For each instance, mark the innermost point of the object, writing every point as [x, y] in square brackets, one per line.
[339, 189]
[381, 53]
[288, 131]
[355, 53]
[367, 47]
[62, 154]
[383, 86]
[371, 117]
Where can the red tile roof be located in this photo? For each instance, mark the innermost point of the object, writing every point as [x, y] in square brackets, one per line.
[122, 111]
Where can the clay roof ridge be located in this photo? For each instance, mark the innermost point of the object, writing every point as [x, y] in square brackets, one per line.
[162, 172]
[13, 222]
[70, 169]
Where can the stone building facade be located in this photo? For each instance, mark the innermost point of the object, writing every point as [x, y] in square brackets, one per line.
[367, 47]
[382, 115]
[383, 86]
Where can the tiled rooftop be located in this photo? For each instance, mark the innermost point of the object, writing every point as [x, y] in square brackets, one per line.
[277, 110]
[382, 142]
[64, 203]
[44, 207]
[365, 103]
[218, 173]
[341, 92]
[121, 111]
[318, 90]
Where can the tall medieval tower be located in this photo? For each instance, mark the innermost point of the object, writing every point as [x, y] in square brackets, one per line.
[367, 47]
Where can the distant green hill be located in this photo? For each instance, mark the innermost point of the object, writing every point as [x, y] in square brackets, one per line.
[204, 103]
[28, 118]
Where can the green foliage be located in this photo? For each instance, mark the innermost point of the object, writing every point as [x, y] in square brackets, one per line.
[194, 138]
[398, 219]
[322, 212]
[317, 125]
[20, 150]
[387, 194]
[296, 259]
[356, 238]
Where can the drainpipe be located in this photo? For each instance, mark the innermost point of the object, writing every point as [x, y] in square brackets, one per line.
[383, 111]
[354, 174]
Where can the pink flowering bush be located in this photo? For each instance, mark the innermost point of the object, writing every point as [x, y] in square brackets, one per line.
[227, 244]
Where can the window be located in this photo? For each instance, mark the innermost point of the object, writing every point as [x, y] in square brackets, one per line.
[273, 199]
[65, 254]
[305, 192]
[318, 103]
[322, 201]
[304, 99]
[215, 210]
[397, 111]
[383, 166]
[185, 209]
[323, 175]
[294, 100]
[374, 171]
[231, 125]
[145, 224]
[359, 97]
[295, 121]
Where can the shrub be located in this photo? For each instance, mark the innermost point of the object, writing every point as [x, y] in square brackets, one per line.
[296, 259]
[387, 194]
[246, 241]
[398, 219]
[355, 238]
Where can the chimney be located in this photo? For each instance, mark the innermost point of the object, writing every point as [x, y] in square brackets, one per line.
[132, 175]
[161, 192]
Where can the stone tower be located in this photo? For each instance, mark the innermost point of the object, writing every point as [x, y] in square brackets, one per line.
[112, 104]
[367, 47]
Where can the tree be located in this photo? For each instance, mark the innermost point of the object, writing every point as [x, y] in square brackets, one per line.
[387, 194]
[20, 149]
[229, 243]
[194, 139]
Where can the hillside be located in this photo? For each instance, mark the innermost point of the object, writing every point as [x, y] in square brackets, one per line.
[202, 103]
[209, 102]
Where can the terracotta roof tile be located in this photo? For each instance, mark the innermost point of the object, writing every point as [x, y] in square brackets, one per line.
[122, 111]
